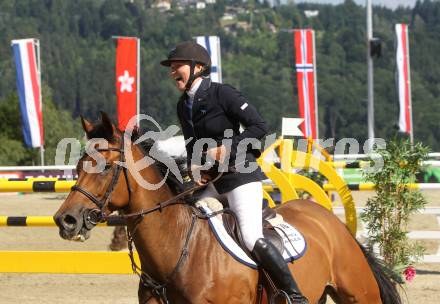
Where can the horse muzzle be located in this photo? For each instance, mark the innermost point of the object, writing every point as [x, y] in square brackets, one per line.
[76, 226]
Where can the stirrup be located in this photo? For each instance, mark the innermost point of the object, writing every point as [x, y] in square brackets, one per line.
[289, 299]
[285, 295]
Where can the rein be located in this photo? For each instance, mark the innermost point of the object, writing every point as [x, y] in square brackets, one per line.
[160, 206]
[95, 216]
[159, 290]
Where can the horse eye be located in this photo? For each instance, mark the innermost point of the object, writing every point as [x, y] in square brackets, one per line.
[107, 167]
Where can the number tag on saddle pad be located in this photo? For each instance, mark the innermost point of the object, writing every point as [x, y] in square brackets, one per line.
[294, 243]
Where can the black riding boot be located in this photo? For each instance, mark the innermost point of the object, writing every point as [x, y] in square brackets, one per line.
[269, 258]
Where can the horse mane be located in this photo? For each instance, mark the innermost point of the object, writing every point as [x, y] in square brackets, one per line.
[101, 131]
[171, 180]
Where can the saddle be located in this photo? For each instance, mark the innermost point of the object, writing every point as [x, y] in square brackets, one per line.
[267, 290]
[286, 238]
[288, 241]
[231, 226]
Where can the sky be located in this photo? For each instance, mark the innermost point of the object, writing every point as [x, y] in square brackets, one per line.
[388, 3]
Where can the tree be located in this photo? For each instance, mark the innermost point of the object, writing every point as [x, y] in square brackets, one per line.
[387, 213]
[58, 124]
[78, 58]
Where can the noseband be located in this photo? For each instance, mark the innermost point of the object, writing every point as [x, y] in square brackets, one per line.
[95, 216]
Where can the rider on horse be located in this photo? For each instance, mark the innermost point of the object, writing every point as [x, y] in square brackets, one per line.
[212, 110]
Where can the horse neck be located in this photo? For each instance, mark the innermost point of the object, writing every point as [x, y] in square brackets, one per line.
[160, 235]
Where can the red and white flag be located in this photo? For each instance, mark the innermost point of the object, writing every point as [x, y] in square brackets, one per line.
[306, 81]
[403, 79]
[26, 54]
[127, 79]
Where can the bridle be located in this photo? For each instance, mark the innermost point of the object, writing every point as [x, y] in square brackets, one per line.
[94, 216]
[97, 215]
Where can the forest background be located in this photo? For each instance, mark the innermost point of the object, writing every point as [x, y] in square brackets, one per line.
[78, 63]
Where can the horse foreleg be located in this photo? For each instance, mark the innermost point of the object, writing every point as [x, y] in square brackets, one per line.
[331, 292]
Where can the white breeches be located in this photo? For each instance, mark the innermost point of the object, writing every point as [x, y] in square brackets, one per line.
[246, 202]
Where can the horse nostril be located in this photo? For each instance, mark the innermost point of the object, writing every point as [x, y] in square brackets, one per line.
[69, 222]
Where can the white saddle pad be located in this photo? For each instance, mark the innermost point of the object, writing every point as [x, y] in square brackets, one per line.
[294, 242]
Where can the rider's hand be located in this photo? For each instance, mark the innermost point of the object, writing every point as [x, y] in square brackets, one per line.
[218, 153]
[203, 177]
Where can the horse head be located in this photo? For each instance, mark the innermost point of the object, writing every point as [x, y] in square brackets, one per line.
[103, 184]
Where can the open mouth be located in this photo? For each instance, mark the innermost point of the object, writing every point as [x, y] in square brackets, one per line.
[81, 236]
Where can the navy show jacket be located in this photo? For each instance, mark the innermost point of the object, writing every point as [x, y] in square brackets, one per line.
[216, 108]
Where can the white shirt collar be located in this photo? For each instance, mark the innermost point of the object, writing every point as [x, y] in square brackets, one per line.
[192, 92]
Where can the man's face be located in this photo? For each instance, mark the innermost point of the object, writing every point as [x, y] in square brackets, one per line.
[179, 71]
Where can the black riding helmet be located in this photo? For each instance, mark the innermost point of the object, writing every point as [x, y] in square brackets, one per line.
[194, 53]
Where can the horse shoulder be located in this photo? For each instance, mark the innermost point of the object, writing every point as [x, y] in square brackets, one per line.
[210, 271]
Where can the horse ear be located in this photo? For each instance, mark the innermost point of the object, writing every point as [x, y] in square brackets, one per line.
[107, 122]
[87, 125]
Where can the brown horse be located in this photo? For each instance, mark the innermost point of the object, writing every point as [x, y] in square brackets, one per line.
[334, 263]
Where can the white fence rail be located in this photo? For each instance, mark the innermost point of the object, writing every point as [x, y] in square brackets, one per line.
[358, 156]
[416, 234]
[35, 168]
